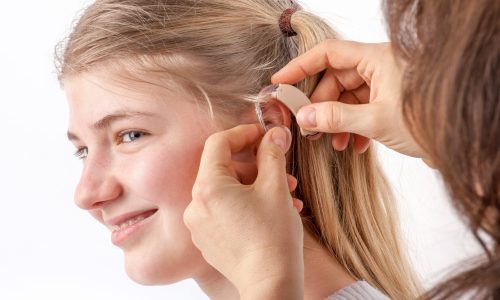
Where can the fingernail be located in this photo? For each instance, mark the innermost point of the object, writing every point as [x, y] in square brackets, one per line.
[282, 137]
[306, 117]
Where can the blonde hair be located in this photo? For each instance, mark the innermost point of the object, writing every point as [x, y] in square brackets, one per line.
[225, 52]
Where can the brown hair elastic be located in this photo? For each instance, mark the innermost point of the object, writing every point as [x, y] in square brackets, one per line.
[285, 22]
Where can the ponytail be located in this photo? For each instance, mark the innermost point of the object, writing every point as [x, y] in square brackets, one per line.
[348, 204]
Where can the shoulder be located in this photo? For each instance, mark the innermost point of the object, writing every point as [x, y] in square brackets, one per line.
[360, 290]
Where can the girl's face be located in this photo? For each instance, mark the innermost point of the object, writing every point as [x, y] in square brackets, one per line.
[140, 146]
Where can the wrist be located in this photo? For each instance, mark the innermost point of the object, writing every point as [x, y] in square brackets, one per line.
[278, 275]
[290, 286]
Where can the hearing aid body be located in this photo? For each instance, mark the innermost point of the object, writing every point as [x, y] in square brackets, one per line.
[288, 95]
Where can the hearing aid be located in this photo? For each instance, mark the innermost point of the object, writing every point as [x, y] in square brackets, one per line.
[288, 95]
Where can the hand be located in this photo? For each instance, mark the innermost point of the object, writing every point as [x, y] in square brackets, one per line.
[252, 234]
[359, 93]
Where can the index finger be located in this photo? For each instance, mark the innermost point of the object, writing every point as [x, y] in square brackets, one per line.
[331, 53]
[220, 147]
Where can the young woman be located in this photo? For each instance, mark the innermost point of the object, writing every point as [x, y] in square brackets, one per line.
[149, 81]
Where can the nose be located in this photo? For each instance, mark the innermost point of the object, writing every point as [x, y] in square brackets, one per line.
[97, 185]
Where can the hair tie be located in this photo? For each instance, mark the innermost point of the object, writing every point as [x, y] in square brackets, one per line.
[285, 22]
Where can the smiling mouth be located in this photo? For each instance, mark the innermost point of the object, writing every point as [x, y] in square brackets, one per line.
[133, 220]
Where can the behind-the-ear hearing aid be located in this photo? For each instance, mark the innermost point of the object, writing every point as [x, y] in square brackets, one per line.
[288, 95]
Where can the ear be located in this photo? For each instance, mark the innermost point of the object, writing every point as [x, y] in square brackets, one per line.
[275, 113]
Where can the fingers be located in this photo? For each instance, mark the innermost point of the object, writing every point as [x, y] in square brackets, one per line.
[349, 79]
[361, 94]
[271, 161]
[292, 185]
[328, 88]
[292, 182]
[337, 117]
[335, 54]
[336, 83]
[340, 141]
[361, 144]
[345, 80]
[298, 204]
[220, 146]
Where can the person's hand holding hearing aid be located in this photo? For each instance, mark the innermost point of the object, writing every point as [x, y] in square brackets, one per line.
[251, 233]
[358, 94]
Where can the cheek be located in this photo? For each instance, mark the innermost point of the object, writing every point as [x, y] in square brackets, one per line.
[164, 177]
[166, 173]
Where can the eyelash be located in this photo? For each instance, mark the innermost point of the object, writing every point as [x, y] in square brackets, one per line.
[82, 152]
[123, 134]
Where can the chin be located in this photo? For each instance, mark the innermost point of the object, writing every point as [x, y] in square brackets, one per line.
[151, 269]
[148, 280]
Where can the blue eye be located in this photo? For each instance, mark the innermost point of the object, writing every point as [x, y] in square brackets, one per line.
[81, 153]
[131, 136]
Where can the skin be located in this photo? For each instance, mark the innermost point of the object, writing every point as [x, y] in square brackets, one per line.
[357, 95]
[150, 161]
[359, 92]
[239, 217]
[155, 171]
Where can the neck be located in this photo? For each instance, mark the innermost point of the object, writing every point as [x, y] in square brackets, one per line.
[216, 286]
[323, 275]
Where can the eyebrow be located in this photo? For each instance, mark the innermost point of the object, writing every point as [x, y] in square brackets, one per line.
[107, 120]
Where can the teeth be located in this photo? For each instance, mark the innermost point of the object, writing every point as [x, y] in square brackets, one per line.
[128, 223]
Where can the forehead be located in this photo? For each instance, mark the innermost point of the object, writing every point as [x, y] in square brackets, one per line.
[107, 90]
[92, 95]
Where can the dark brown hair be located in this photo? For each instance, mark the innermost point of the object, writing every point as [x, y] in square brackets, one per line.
[451, 104]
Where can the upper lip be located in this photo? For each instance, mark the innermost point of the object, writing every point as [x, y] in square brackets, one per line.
[126, 216]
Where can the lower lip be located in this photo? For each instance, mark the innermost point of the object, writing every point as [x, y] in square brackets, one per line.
[119, 237]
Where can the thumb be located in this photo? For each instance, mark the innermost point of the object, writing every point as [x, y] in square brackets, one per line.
[271, 162]
[337, 117]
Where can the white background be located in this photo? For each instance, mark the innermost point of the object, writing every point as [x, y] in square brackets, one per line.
[49, 249]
